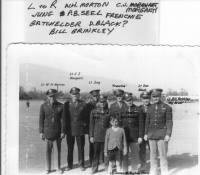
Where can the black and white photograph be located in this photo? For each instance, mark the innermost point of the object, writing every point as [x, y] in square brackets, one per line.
[74, 109]
[100, 87]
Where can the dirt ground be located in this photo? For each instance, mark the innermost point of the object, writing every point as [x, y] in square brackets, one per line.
[182, 153]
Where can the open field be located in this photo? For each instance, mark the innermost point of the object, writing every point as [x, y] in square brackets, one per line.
[183, 147]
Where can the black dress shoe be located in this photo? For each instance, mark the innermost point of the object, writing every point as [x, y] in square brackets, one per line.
[68, 168]
[94, 171]
[60, 171]
[48, 171]
[82, 168]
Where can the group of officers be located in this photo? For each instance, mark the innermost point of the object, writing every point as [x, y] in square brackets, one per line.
[146, 126]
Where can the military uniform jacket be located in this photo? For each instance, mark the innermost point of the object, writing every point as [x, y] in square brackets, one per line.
[159, 121]
[50, 119]
[133, 123]
[89, 107]
[99, 122]
[144, 114]
[74, 118]
[115, 109]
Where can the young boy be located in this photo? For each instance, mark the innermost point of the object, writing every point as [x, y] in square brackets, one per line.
[115, 145]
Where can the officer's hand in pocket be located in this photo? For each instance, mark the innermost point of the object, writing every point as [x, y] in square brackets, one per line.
[145, 137]
[167, 138]
[92, 139]
[105, 154]
[42, 136]
[62, 135]
[139, 140]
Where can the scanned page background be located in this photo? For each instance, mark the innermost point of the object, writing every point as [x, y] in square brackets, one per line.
[179, 25]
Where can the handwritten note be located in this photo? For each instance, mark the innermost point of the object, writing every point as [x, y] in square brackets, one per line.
[93, 21]
[52, 84]
[143, 87]
[94, 82]
[75, 76]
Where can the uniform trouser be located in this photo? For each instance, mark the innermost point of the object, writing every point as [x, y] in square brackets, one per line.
[158, 146]
[98, 151]
[134, 156]
[80, 141]
[142, 152]
[49, 147]
[91, 151]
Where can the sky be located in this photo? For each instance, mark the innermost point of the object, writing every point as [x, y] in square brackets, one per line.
[159, 67]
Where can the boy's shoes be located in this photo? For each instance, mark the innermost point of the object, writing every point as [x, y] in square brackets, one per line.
[143, 169]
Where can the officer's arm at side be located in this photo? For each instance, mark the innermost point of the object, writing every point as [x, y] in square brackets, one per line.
[41, 119]
[169, 121]
[106, 142]
[147, 123]
[64, 117]
[91, 125]
[141, 123]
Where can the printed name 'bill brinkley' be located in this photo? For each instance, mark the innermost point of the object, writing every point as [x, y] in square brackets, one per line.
[70, 125]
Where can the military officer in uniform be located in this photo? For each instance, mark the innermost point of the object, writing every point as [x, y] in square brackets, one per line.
[119, 107]
[91, 104]
[158, 130]
[74, 122]
[145, 97]
[99, 122]
[133, 124]
[50, 125]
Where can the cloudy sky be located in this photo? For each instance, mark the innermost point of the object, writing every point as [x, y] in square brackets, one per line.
[163, 67]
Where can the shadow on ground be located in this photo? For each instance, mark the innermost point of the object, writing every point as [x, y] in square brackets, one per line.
[182, 161]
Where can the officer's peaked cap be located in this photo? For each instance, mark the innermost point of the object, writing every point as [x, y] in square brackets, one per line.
[74, 91]
[119, 92]
[156, 92]
[145, 95]
[95, 92]
[51, 92]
